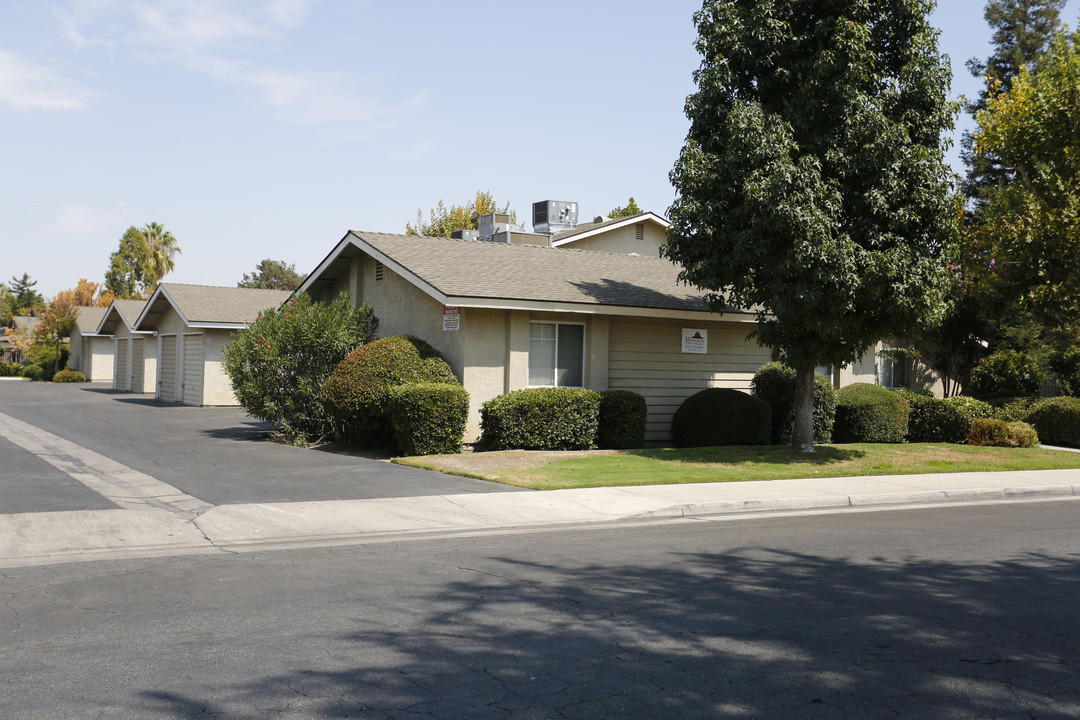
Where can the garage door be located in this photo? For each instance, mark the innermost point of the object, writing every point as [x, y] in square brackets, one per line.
[137, 366]
[193, 370]
[168, 368]
[122, 379]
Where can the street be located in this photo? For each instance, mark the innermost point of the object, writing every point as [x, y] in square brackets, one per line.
[960, 612]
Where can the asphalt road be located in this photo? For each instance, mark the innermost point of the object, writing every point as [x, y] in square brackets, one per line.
[962, 612]
[219, 455]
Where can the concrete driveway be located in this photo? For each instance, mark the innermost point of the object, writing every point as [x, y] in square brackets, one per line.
[217, 455]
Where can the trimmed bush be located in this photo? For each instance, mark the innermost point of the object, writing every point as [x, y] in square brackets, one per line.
[1067, 368]
[775, 384]
[721, 416]
[356, 394]
[541, 419]
[971, 408]
[1057, 420]
[33, 372]
[991, 432]
[428, 418]
[10, 369]
[1006, 373]
[1012, 409]
[279, 364]
[622, 420]
[870, 413]
[69, 376]
[933, 420]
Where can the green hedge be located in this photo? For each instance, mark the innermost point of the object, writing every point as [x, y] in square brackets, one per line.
[775, 384]
[721, 416]
[69, 376]
[870, 413]
[1057, 420]
[33, 372]
[934, 420]
[428, 418]
[1006, 373]
[991, 432]
[356, 393]
[971, 408]
[541, 419]
[10, 369]
[621, 423]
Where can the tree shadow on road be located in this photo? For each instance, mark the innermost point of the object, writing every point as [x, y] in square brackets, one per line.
[750, 634]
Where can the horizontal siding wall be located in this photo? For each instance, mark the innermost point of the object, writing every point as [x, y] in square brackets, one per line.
[646, 356]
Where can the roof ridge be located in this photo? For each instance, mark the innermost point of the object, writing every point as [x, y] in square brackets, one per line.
[477, 241]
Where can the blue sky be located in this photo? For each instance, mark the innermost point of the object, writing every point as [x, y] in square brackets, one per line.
[267, 129]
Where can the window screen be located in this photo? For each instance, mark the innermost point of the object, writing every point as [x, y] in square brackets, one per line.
[556, 355]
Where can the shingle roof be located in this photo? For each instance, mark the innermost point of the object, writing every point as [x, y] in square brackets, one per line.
[87, 319]
[130, 310]
[487, 270]
[227, 305]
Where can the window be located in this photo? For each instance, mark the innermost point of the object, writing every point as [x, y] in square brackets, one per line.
[556, 355]
[892, 368]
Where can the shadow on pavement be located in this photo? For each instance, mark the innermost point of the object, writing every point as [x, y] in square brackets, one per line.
[749, 634]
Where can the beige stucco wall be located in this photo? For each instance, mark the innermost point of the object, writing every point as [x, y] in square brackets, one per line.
[76, 349]
[919, 376]
[645, 355]
[624, 240]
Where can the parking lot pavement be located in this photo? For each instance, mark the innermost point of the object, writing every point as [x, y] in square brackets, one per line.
[218, 455]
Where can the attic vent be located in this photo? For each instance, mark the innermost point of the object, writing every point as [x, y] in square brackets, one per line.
[379, 270]
[639, 231]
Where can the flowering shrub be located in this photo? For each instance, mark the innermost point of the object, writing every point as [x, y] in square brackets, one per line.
[279, 364]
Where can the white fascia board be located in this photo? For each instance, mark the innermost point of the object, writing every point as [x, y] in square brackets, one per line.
[321, 267]
[217, 325]
[594, 309]
[613, 226]
[401, 270]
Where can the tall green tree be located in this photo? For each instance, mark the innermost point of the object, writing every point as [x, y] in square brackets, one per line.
[272, 275]
[631, 208]
[1023, 31]
[812, 186]
[144, 257]
[25, 300]
[443, 220]
[1029, 248]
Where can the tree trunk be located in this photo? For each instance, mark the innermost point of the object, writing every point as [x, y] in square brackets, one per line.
[802, 435]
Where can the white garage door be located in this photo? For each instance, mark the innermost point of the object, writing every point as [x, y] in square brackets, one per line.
[137, 366]
[193, 370]
[168, 368]
[122, 378]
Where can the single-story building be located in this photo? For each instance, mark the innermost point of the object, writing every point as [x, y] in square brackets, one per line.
[510, 316]
[640, 234]
[134, 353]
[192, 325]
[91, 353]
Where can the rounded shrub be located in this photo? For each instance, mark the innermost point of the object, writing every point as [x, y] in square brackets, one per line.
[541, 419]
[33, 372]
[934, 420]
[1012, 409]
[991, 432]
[1057, 420]
[69, 376]
[1006, 373]
[721, 416]
[428, 418]
[10, 369]
[971, 408]
[621, 423]
[870, 413]
[357, 392]
[775, 384]
[279, 364]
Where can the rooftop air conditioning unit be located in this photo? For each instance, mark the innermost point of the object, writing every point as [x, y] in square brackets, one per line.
[554, 216]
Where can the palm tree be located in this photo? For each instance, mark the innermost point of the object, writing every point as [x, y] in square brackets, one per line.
[163, 247]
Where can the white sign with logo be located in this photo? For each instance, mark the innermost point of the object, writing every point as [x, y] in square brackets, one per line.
[695, 341]
[451, 318]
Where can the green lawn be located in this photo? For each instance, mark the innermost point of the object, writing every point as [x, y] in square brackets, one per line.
[556, 470]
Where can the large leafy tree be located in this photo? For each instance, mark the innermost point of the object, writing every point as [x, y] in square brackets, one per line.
[1023, 31]
[56, 323]
[272, 275]
[811, 186]
[443, 220]
[1028, 250]
[144, 257]
[627, 210]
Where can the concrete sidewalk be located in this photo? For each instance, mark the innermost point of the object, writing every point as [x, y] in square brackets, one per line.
[40, 538]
